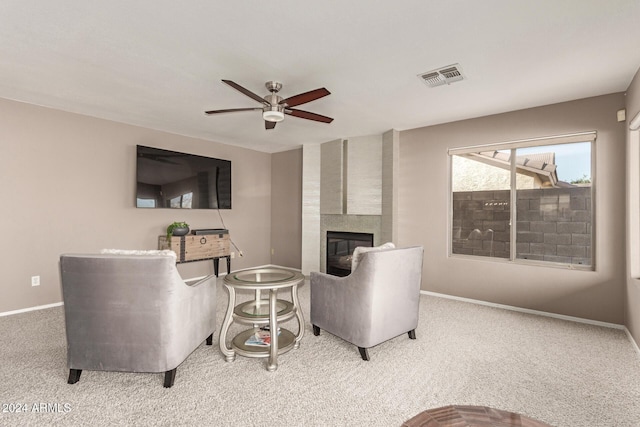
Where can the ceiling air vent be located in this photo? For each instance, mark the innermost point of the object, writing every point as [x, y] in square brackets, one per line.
[441, 76]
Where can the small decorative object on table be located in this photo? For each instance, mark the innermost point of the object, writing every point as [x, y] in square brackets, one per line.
[262, 337]
[177, 229]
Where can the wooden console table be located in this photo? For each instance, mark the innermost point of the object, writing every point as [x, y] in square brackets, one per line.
[199, 247]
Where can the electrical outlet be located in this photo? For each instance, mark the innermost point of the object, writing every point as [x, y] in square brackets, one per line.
[233, 255]
[273, 251]
[35, 280]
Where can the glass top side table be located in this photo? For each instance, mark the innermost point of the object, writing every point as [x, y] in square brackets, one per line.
[261, 312]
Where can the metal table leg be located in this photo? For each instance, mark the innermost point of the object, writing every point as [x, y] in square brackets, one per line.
[228, 352]
[299, 316]
[272, 365]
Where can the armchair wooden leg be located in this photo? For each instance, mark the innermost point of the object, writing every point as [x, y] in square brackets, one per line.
[316, 330]
[412, 334]
[210, 339]
[74, 376]
[169, 377]
[364, 353]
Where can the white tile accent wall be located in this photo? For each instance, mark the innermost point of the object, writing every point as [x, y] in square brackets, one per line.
[371, 170]
[331, 178]
[310, 208]
[364, 175]
[390, 156]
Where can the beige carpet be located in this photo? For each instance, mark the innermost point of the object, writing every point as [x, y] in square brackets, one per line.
[561, 373]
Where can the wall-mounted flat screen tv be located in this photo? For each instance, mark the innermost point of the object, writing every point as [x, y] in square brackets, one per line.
[169, 179]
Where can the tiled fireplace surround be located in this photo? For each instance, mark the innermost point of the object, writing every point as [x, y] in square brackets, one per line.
[348, 186]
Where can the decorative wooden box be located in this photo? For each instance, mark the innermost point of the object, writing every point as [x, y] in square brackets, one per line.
[197, 247]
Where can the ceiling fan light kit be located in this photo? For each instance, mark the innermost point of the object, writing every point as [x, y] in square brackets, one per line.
[276, 115]
[275, 107]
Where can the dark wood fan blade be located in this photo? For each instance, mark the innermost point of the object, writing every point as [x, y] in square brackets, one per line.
[307, 115]
[247, 92]
[303, 98]
[231, 110]
[269, 125]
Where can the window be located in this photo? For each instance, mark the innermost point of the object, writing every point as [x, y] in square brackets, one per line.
[145, 203]
[530, 201]
[182, 201]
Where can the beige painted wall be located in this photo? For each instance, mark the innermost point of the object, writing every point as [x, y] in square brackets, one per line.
[423, 212]
[632, 308]
[67, 185]
[286, 208]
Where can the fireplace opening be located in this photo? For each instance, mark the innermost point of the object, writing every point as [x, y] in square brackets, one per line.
[340, 246]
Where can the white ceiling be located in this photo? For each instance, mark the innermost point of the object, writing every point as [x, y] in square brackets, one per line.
[159, 63]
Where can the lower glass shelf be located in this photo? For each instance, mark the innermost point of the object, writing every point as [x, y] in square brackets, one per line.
[286, 341]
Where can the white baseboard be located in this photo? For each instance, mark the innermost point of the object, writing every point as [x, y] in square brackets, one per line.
[633, 342]
[527, 310]
[25, 310]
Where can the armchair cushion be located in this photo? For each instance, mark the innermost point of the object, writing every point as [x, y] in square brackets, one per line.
[358, 251]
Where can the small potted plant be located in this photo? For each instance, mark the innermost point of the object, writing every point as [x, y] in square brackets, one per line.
[177, 229]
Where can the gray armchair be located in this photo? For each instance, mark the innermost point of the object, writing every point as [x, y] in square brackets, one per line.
[133, 313]
[378, 301]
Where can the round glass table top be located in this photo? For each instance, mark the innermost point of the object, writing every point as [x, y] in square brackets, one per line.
[267, 277]
[264, 275]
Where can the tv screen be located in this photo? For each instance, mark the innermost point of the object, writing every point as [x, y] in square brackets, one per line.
[169, 179]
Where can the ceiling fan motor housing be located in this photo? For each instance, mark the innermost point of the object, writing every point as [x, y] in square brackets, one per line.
[273, 111]
[273, 100]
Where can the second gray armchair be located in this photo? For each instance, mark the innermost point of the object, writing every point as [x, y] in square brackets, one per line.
[378, 301]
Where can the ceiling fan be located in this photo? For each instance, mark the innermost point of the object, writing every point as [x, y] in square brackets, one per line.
[274, 107]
